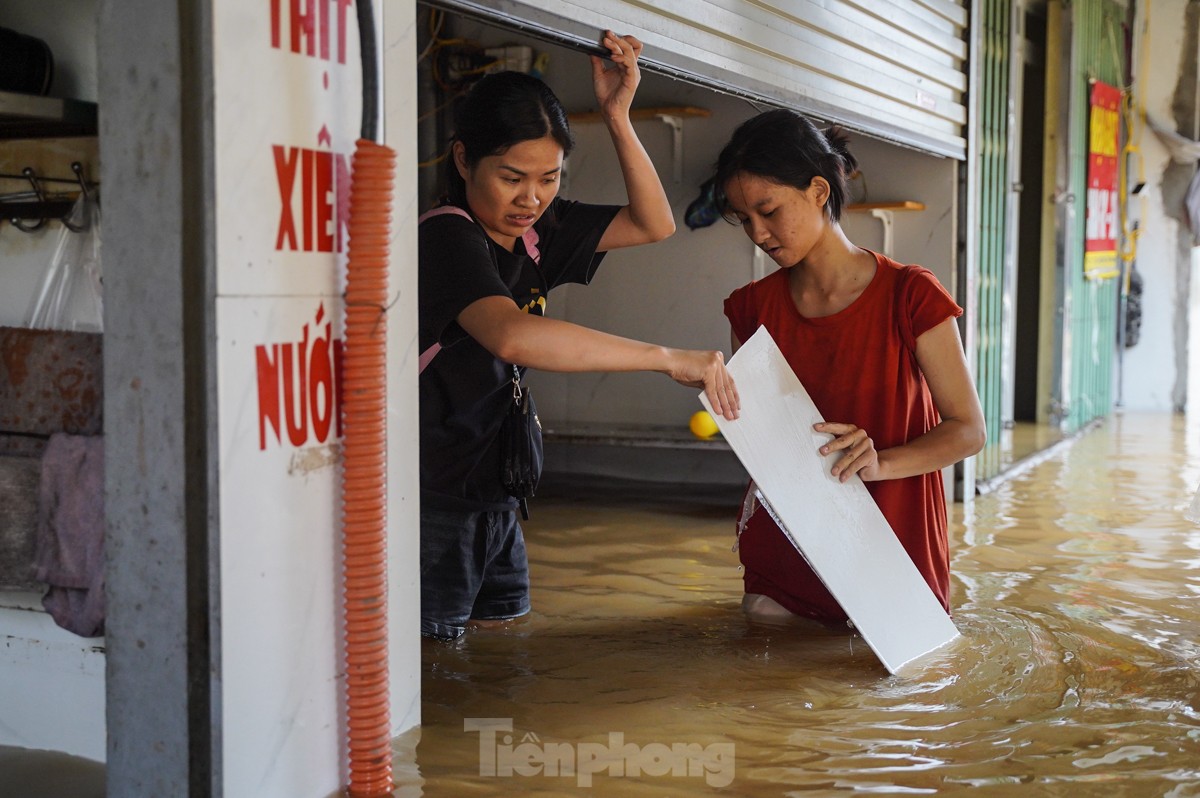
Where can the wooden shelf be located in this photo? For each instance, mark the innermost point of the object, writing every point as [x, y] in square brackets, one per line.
[901, 205]
[637, 114]
[28, 116]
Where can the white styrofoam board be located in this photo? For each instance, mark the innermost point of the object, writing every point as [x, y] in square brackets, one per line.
[836, 526]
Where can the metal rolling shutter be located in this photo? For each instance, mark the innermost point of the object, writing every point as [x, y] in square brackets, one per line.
[893, 69]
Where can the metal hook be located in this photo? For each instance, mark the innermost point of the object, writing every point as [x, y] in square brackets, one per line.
[77, 168]
[31, 176]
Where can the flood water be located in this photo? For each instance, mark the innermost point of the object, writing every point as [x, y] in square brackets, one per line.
[1077, 591]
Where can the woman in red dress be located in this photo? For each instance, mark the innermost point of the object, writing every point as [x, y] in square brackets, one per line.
[873, 341]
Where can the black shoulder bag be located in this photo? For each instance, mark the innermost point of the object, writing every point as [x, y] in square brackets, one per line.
[521, 446]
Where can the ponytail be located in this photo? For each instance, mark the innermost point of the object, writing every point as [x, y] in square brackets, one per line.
[839, 142]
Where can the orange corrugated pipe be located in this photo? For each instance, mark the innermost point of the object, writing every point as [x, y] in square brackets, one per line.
[364, 485]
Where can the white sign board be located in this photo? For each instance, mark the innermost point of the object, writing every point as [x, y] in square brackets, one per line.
[287, 105]
[286, 108]
[280, 435]
[836, 526]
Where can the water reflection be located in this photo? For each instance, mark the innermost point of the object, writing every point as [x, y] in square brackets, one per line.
[1075, 589]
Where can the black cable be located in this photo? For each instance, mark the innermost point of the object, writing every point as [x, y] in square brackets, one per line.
[370, 71]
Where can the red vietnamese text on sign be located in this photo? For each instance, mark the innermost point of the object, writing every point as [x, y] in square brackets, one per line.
[322, 182]
[300, 385]
[310, 25]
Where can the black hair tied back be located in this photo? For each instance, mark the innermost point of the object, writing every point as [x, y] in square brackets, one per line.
[839, 142]
[785, 147]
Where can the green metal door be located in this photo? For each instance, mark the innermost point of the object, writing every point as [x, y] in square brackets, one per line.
[1091, 304]
[992, 193]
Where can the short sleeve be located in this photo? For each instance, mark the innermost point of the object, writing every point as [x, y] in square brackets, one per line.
[924, 304]
[569, 233]
[742, 312]
[456, 269]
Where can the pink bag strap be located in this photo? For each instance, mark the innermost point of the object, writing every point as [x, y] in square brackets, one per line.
[427, 357]
[530, 238]
[442, 211]
[531, 245]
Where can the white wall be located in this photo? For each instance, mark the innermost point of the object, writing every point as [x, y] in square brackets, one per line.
[1193, 382]
[891, 174]
[1150, 366]
[51, 682]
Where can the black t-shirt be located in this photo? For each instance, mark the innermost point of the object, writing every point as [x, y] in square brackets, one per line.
[465, 391]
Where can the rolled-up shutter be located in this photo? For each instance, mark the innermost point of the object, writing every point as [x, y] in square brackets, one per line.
[890, 69]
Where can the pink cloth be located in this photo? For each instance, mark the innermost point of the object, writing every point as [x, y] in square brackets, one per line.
[70, 532]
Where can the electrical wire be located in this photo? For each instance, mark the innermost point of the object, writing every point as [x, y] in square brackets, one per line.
[370, 71]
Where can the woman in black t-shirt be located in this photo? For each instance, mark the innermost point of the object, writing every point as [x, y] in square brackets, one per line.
[487, 262]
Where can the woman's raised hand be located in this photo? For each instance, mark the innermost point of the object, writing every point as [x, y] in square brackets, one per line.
[616, 85]
[699, 369]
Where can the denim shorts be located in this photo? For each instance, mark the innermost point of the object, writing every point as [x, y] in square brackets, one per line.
[473, 567]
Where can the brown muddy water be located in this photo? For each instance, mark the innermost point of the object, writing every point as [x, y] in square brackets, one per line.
[1077, 591]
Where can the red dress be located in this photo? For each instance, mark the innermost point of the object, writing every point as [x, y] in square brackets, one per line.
[860, 367]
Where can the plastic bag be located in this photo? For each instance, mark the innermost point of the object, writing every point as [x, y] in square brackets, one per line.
[70, 295]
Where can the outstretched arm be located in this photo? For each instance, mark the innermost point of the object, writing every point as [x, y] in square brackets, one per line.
[553, 345]
[647, 217]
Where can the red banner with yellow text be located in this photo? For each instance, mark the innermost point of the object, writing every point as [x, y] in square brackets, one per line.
[1101, 226]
